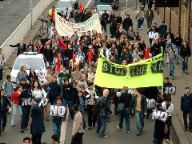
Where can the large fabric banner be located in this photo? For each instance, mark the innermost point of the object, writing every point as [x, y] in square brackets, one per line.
[145, 73]
[66, 28]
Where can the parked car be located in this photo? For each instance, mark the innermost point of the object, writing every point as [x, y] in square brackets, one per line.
[29, 60]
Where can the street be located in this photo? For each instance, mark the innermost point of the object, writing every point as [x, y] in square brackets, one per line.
[12, 12]
[11, 18]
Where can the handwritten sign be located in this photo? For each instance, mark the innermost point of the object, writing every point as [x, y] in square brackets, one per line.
[26, 102]
[43, 102]
[159, 115]
[170, 90]
[57, 110]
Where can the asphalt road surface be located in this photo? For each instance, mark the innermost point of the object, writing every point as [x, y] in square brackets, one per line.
[13, 135]
[12, 12]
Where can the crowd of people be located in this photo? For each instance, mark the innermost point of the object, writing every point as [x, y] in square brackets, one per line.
[70, 80]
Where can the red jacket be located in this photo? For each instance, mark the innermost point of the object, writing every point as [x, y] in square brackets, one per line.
[15, 98]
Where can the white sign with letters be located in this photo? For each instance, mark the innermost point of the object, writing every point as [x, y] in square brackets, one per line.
[162, 116]
[57, 110]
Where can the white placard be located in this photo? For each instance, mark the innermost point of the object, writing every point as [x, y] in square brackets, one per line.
[162, 116]
[170, 90]
[43, 102]
[26, 102]
[57, 110]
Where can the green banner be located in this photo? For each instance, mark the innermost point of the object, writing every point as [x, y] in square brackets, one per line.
[145, 73]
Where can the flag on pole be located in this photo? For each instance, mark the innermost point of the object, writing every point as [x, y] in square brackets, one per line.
[90, 54]
[58, 64]
[62, 44]
[146, 55]
[53, 13]
[81, 7]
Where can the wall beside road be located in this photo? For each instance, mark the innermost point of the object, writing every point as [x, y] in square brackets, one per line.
[20, 32]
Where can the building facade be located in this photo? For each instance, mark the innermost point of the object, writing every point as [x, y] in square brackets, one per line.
[179, 20]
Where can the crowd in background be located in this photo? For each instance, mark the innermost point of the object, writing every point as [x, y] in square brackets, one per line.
[72, 84]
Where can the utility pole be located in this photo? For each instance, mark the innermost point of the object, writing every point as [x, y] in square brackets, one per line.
[31, 11]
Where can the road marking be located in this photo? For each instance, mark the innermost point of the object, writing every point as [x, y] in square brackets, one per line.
[64, 129]
[88, 3]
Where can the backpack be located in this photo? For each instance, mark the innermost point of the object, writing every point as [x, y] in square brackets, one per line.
[97, 107]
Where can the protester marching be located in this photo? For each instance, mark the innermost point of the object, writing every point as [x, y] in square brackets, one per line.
[88, 76]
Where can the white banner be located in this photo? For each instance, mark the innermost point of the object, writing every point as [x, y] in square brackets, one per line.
[66, 28]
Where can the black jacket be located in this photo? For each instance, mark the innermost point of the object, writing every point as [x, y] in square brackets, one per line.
[104, 107]
[127, 22]
[143, 103]
[26, 95]
[185, 52]
[68, 92]
[37, 124]
[20, 48]
[54, 92]
[186, 103]
[4, 104]
[159, 129]
[126, 98]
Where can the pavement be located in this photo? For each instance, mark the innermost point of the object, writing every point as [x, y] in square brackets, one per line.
[13, 136]
[12, 12]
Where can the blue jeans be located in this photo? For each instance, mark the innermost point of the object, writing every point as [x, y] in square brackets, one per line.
[124, 114]
[185, 64]
[69, 104]
[172, 70]
[101, 125]
[56, 127]
[82, 104]
[14, 114]
[139, 121]
[178, 49]
[110, 104]
[157, 141]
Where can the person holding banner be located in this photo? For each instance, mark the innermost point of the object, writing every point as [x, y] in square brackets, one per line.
[37, 123]
[25, 99]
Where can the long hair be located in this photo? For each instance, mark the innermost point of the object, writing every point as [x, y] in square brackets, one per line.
[39, 86]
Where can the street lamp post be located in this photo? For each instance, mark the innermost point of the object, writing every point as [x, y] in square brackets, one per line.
[31, 11]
